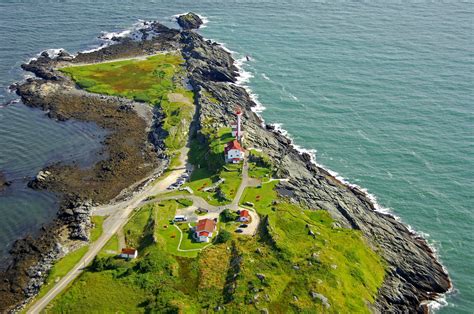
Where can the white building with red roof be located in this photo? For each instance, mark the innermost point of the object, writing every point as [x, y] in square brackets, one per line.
[204, 229]
[129, 253]
[234, 153]
[244, 216]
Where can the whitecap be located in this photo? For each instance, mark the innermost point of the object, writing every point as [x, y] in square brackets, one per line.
[293, 96]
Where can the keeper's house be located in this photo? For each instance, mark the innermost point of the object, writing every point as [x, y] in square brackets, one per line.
[234, 153]
[204, 230]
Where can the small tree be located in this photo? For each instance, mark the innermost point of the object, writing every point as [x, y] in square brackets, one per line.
[223, 236]
[228, 215]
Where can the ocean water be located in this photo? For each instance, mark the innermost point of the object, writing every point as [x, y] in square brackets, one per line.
[383, 91]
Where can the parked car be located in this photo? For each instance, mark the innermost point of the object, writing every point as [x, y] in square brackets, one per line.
[239, 231]
[243, 226]
[172, 187]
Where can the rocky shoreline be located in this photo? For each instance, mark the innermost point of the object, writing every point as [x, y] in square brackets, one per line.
[132, 154]
[414, 276]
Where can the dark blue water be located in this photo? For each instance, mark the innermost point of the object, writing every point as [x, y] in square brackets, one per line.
[383, 92]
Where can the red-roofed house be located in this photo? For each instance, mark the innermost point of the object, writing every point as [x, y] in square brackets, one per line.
[244, 216]
[234, 153]
[204, 229]
[129, 253]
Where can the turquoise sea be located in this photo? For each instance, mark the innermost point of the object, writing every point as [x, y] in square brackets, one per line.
[383, 91]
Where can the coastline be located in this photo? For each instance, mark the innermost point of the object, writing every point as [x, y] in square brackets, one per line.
[440, 300]
[244, 77]
[305, 155]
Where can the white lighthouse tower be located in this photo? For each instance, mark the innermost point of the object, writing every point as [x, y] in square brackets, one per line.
[237, 128]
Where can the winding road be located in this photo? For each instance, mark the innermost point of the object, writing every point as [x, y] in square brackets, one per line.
[118, 215]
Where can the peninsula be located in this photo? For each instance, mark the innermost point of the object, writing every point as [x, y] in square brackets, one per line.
[196, 203]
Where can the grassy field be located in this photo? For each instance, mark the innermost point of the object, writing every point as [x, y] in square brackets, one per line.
[100, 292]
[155, 80]
[335, 262]
[297, 250]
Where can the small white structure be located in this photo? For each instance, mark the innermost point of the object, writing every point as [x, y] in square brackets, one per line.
[180, 218]
[204, 229]
[129, 253]
[234, 153]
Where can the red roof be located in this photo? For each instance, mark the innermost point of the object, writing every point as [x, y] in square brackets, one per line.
[203, 233]
[205, 225]
[233, 145]
[128, 251]
[244, 213]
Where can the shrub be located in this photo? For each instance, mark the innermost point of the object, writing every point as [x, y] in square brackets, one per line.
[223, 236]
[103, 263]
[228, 215]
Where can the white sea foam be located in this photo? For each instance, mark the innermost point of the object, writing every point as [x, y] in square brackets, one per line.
[134, 32]
[441, 301]
[265, 77]
[293, 96]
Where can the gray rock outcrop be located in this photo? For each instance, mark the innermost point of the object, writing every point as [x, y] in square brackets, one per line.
[189, 21]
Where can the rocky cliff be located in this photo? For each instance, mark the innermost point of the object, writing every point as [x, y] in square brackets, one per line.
[414, 276]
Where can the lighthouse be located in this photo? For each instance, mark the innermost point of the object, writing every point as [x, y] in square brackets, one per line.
[237, 128]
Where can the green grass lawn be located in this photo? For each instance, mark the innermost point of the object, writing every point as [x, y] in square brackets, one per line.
[96, 232]
[111, 248]
[146, 80]
[155, 80]
[139, 227]
[100, 293]
[188, 242]
[260, 166]
[262, 197]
